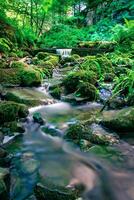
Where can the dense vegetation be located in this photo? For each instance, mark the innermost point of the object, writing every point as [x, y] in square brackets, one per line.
[100, 69]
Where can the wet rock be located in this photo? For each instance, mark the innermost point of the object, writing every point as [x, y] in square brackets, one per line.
[4, 184]
[101, 136]
[38, 118]
[54, 192]
[117, 103]
[121, 121]
[27, 96]
[78, 131]
[52, 131]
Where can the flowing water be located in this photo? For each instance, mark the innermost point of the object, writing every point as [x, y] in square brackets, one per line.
[64, 52]
[37, 156]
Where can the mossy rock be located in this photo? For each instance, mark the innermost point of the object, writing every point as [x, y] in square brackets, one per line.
[53, 59]
[121, 121]
[10, 111]
[8, 128]
[50, 191]
[25, 96]
[30, 77]
[20, 76]
[47, 68]
[56, 92]
[108, 45]
[78, 131]
[9, 77]
[85, 89]
[98, 64]
[74, 78]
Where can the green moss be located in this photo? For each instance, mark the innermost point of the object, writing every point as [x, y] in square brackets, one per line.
[78, 131]
[30, 77]
[9, 77]
[53, 59]
[74, 78]
[47, 68]
[85, 89]
[56, 92]
[10, 111]
[98, 64]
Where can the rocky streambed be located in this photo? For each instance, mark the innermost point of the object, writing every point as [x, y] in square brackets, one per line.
[62, 146]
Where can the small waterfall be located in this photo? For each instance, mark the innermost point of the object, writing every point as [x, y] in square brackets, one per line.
[64, 52]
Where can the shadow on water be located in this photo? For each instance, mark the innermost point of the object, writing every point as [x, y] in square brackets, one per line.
[38, 156]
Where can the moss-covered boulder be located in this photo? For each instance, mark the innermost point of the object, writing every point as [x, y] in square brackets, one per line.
[30, 77]
[9, 77]
[10, 111]
[98, 64]
[20, 76]
[74, 78]
[85, 89]
[56, 91]
[78, 131]
[121, 121]
[26, 96]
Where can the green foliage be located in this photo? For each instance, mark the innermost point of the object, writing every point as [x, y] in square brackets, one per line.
[16, 64]
[124, 35]
[56, 92]
[98, 64]
[124, 85]
[63, 36]
[4, 45]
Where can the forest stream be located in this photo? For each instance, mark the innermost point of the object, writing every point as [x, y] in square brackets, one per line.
[43, 161]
